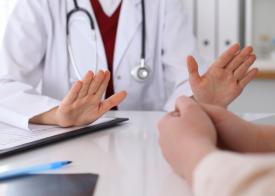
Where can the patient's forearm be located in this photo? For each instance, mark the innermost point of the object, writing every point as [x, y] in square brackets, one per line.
[266, 140]
[192, 153]
[251, 138]
[239, 135]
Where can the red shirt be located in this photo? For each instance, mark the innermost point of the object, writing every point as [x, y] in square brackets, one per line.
[108, 29]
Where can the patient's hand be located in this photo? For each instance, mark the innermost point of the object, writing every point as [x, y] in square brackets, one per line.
[83, 105]
[186, 136]
[225, 79]
[239, 135]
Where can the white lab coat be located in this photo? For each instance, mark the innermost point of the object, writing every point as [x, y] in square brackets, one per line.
[34, 52]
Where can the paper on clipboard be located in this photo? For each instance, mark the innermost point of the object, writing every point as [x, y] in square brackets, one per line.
[11, 136]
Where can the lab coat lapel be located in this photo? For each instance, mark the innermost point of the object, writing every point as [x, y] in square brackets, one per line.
[129, 21]
[86, 4]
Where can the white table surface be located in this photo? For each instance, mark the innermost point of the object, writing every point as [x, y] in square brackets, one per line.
[127, 158]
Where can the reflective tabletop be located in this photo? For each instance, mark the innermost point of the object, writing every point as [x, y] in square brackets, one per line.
[127, 158]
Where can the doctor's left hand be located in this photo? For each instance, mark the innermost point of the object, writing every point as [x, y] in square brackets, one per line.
[225, 79]
[83, 105]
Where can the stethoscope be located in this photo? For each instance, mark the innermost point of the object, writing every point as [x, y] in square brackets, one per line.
[141, 72]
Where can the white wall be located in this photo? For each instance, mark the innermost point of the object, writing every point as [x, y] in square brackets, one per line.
[258, 97]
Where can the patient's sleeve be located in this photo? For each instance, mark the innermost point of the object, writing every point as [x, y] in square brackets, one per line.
[232, 174]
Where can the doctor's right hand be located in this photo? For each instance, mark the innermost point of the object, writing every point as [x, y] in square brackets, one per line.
[83, 105]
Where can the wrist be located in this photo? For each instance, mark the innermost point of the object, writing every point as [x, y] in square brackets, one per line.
[215, 103]
[196, 152]
[47, 118]
[52, 116]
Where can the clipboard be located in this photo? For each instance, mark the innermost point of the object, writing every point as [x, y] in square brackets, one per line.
[61, 137]
[50, 185]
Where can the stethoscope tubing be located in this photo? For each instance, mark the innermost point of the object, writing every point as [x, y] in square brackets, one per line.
[135, 72]
[143, 41]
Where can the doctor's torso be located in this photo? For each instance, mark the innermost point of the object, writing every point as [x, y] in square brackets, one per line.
[49, 20]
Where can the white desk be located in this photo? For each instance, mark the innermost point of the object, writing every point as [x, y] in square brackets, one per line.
[127, 158]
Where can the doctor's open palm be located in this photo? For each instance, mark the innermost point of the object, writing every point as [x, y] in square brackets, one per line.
[225, 79]
[83, 105]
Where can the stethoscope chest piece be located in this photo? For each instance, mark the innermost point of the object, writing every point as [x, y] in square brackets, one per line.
[141, 72]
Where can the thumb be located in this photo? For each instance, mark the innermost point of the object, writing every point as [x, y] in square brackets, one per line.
[112, 101]
[193, 68]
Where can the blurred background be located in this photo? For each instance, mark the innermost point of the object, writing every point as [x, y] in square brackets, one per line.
[218, 24]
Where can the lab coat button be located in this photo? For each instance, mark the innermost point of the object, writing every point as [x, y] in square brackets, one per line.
[118, 77]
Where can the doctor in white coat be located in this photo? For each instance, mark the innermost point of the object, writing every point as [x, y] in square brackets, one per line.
[38, 82]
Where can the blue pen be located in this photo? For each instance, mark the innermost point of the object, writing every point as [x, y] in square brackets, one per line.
[33, 170]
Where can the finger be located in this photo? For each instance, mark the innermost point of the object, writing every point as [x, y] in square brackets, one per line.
[193, 68]
[73, 93]
[248, 78]
[86, 84]
[182, 103]
[95, 84]
[162, 123]
[242, 70]
[239, 59]
[104, 85]
[112, 101]
[175, 113]
[227, 56]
